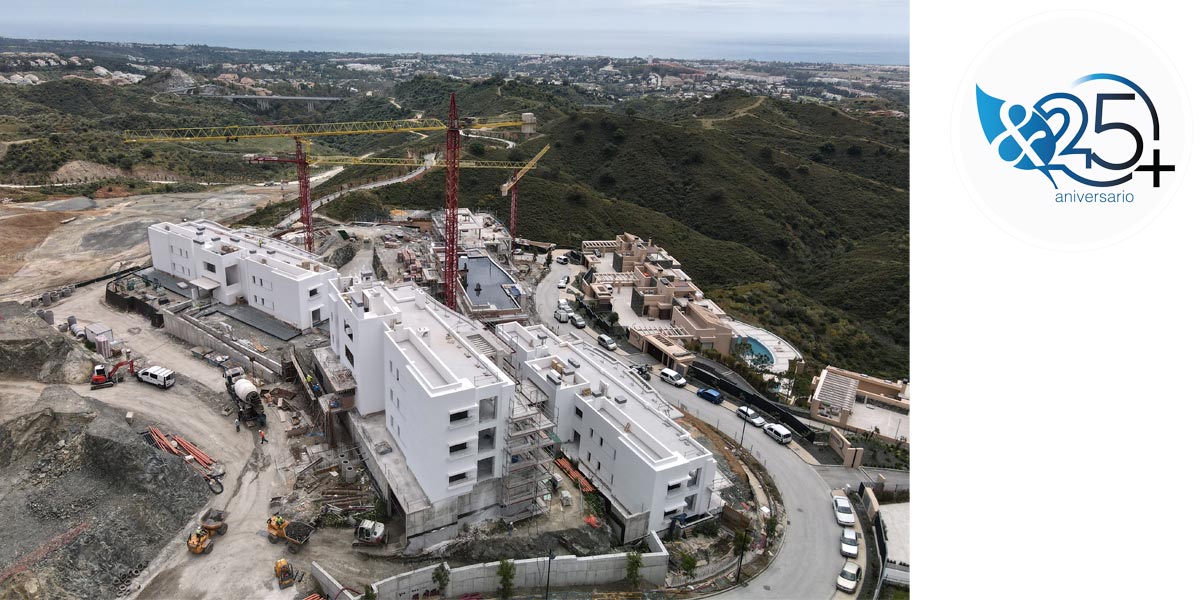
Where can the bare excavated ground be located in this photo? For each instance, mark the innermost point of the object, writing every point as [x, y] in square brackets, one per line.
[85, 500]
[107, 237]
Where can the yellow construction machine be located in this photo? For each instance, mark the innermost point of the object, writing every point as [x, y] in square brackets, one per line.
[212, 523]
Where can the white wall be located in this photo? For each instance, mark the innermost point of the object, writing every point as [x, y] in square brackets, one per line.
[529, 573]
[275, 288]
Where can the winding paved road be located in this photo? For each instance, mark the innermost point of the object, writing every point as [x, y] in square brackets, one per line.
[809, 559]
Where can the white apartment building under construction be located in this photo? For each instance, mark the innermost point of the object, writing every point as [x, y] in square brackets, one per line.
[458, 425]
[230, 266]
[444, 432]
[623, 434]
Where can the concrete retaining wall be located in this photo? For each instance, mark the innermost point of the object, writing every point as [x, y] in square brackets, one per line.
[566, 570]
[328, 584]
[191, 332]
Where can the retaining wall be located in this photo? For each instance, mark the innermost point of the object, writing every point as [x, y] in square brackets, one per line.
[193, 333]
[481, 578]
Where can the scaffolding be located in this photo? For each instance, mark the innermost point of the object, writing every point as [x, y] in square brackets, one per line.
[528, 445]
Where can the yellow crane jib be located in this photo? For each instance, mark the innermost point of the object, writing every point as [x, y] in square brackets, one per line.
[303, 130]
[532, 164]
[411, 162]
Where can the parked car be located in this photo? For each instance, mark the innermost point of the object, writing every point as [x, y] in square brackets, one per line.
[672, 378]
[849, 542]
[562, 316]
[778, 433]
[710, 394]
[159, 376]
[843, 511]
[563, 304]
[562, 259]
[847, 579]
[747, 414]
[606, 342]
[563, 281]
[518, 252]
[578, 321]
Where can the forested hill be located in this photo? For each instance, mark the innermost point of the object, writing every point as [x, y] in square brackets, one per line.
[791, 215]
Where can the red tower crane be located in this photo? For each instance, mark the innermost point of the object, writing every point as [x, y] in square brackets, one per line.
[450, 264]
[301, 162]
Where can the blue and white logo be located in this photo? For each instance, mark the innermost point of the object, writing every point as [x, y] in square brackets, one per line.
[1071, 130]
[1046, 135]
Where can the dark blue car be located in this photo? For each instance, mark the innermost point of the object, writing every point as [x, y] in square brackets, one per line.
[710, 394]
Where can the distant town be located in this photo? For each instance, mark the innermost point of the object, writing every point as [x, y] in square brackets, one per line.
[609, 80]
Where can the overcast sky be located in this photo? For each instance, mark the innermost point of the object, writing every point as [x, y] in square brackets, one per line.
[575, 26]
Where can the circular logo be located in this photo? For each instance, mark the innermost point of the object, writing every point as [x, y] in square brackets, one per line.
[1072, 130]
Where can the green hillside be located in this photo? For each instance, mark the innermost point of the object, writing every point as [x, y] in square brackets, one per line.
[794, 216]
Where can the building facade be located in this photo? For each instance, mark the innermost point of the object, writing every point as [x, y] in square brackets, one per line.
[230, 267]
[650, 470]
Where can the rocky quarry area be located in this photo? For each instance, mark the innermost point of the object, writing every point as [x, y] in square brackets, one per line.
[87, 503]
[31, 348]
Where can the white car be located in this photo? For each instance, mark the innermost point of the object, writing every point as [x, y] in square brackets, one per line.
[672, 377]
[747, 414]
[563, 281]
[847, 579]
[563, 304]
[843, 511]
[606, 342]
[562, 259]
[849, 542]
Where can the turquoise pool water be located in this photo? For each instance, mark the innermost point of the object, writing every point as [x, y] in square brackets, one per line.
[756, 347]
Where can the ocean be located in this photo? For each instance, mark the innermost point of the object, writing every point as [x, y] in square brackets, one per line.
[798, 48]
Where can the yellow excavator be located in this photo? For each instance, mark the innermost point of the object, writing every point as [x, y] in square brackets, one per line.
[212, 522]
[285, 574]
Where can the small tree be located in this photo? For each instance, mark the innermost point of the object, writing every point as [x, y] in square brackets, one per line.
[633, 568]
[741, 541]
[507, 571]
[772, 524]
[368, 592]
[687, 562]
[441, 576]
[477, 148]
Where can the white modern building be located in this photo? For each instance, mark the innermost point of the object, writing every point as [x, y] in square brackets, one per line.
[450, 440]
[623, 434]
[229, 266]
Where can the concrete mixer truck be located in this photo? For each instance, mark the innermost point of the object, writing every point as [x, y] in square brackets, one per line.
[246, 398]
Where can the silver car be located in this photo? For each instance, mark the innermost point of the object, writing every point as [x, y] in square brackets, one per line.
[843, 511]
[847, 579]
[849, 542]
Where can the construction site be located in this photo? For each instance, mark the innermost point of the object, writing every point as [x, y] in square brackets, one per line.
[321, 409]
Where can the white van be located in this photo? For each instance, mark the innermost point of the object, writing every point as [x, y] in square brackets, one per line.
[672, 378]
[778, 433]
[159, 376]
[562, 316]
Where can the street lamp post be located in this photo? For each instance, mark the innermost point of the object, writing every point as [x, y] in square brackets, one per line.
[549, 559]
[743, 438]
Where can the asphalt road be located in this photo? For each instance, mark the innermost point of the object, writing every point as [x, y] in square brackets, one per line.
[809, 559]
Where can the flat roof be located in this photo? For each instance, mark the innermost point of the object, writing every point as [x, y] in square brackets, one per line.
[495, 285]
[653, 430]
[438, 342]
[895, 521]
[222, 240]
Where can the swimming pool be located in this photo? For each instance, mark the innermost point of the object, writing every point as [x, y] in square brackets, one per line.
[756, 347]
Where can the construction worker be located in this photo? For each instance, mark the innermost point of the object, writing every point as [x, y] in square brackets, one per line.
[200, 532]
[237, 424]
[262, 436]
